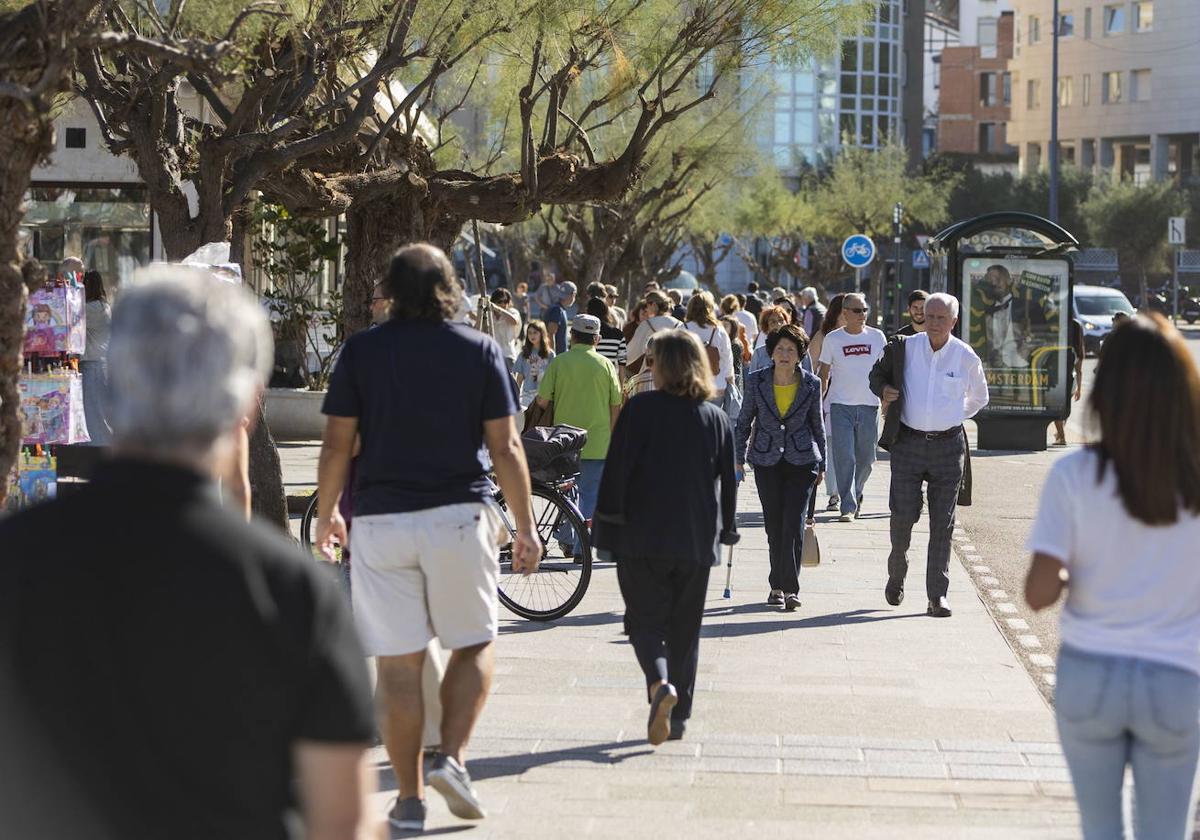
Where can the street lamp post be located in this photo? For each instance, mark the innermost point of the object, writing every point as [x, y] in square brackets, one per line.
[897, 214]
[1054, 116]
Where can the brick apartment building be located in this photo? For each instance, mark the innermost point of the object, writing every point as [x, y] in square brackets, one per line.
[976, 98]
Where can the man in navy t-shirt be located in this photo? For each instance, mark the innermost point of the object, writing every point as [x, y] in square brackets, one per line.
[556, 316]
[427, 535]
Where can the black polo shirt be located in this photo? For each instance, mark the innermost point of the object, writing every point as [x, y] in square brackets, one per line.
[159, 659]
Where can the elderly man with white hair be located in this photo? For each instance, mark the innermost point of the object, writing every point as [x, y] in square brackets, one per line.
[931, 383]
[166, 668]
[812, 312]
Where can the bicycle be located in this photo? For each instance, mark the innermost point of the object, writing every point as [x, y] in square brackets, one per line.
[564, 573]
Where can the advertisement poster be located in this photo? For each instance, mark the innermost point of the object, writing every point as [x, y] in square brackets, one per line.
[1015, 318]
[34, 480]
[54, 322]
[52, 408]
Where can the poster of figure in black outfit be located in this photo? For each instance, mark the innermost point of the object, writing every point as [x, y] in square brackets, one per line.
[1015, 314]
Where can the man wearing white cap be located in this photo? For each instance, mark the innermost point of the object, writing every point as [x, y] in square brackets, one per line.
[583, 386]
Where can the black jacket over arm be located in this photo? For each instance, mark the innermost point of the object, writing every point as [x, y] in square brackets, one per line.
[668, 489]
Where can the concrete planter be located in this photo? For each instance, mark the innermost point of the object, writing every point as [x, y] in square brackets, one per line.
[295, 413]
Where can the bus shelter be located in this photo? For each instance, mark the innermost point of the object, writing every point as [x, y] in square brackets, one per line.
[1014, 275]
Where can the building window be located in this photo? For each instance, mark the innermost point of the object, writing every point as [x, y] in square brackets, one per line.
[1034, 34]
[1033, 94]
[1066, 24]
[1139, 86]
[988, 138]
[1066, 91]
[1110, 88]
[1114, 19]
[108, 227]
[75, 138]
[1143, 16]
[1006, 81]
[987, 32]
[1086, 93]
[988, 92]
[1087, 22]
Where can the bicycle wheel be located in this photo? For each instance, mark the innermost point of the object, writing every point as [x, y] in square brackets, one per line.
[562, 578]
[308, 532]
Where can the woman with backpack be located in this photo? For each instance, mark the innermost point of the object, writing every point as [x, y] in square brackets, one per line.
[657, 317]
[702, 322]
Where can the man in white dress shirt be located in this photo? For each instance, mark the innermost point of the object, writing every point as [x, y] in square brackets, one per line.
[932, 383]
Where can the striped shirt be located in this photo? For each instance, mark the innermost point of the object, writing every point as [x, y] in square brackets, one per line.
[612, 345]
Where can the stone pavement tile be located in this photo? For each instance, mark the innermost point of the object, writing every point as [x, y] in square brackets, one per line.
[990, 758]
[846, 719]
[869, 798]
[1057, 789]
[955, 785]
[1014, 803]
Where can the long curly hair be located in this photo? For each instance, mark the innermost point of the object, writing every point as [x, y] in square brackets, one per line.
[422, 285]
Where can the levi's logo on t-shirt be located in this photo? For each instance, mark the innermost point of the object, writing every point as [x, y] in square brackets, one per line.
[856, 350]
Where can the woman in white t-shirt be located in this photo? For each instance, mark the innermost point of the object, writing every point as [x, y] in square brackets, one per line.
[702, 322]
[94, 364]
[1119, 529]
[507, 321]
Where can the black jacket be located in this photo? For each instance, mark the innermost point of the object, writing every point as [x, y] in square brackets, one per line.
[889, 370]
[668, 489]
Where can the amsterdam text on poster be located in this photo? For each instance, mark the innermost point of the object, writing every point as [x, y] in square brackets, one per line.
[1014, 316]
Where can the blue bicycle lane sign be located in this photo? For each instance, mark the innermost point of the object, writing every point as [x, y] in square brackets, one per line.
[858, 251]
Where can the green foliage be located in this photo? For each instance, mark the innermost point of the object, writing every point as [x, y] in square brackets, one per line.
[1133, 219]
[863, 186]
[977, 193]
[294, 254]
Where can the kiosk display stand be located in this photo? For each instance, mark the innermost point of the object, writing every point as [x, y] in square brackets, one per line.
[1014, 275]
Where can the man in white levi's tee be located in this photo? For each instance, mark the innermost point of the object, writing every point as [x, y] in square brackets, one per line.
[848, 354]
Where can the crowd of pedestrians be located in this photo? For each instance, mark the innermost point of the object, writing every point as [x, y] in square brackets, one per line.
[680, 398]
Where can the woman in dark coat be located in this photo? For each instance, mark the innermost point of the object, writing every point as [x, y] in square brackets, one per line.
[780, 434]
[664, 520]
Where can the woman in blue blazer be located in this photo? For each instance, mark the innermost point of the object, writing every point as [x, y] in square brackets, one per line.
[781, 435]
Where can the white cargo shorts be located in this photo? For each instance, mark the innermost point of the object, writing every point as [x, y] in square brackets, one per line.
[427, 573]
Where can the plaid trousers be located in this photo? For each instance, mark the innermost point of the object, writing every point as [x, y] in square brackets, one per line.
[916, 461]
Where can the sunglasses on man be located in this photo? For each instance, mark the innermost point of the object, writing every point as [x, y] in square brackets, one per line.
[858, 310]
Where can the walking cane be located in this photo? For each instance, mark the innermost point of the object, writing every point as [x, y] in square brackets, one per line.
[729, 575]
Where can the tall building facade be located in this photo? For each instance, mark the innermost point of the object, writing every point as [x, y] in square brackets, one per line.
[973, 24]
[1128, 87]
[863, 95]
[976, 100]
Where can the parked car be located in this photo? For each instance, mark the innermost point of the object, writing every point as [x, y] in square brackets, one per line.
[1094, 308]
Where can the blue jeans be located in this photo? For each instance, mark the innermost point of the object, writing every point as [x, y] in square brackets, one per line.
[855, 431]
[1115, 711]
[584, 495]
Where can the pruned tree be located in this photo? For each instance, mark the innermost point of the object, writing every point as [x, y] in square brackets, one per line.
[578, 94]
[230, 96]
[38, 41]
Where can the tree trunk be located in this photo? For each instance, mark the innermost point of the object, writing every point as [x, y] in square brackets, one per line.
[25, 140]
[268, 499]
[374, 231]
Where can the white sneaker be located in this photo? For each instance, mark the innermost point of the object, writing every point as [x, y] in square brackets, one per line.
[846, 517]
[452, 781]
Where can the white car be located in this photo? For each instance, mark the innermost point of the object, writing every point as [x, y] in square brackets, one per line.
[1094, 307]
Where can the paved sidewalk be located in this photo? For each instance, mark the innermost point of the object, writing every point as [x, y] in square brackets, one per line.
[848, 718]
